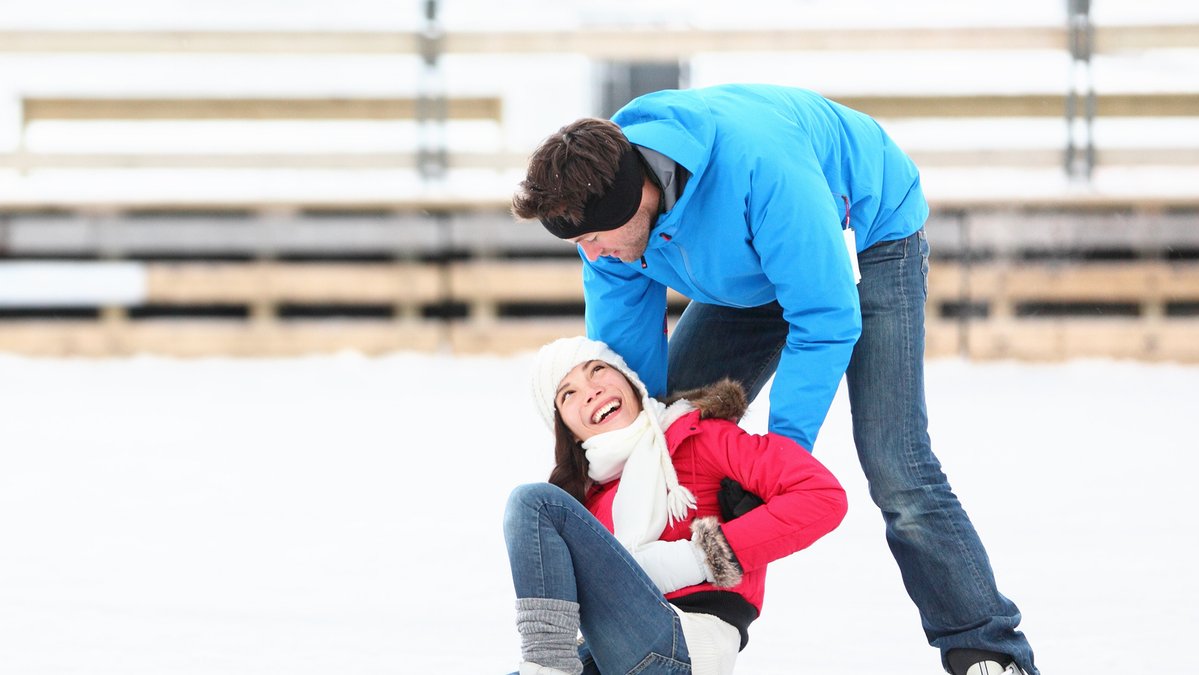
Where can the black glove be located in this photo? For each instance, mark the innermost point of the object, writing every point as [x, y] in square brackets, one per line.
[735, 501]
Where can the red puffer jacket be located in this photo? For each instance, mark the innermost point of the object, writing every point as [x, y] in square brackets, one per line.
[803, 501]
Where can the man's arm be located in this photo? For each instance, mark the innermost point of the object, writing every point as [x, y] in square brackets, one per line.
[627, 310]
[797, 233]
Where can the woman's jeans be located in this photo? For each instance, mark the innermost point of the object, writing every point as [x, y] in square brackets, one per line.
[943, 563]
[557, 549]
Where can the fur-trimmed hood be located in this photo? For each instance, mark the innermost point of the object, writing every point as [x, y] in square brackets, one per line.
[724, 400]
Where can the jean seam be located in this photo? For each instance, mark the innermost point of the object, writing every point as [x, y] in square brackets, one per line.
[678, 636]
[761, 368]
[909, 428]
[645, 663]
[674, 634]
[536, 524]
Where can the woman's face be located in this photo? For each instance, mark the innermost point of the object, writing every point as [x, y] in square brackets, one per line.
[595, 398]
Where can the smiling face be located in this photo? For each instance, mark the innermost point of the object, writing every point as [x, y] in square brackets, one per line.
[595, 398]
[629, 241]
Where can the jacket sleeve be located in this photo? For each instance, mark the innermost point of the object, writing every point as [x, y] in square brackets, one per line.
[627, 310]
[803, 500]
[796, 227]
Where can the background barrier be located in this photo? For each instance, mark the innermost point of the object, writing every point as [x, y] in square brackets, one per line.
[284, 205]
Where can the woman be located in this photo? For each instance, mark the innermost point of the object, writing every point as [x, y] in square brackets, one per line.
[627, 542]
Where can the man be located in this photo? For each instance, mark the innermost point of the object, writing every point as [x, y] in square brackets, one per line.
[762, 204]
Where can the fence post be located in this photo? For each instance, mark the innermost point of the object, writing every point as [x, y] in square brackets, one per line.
[1080, 162]
[432, 108]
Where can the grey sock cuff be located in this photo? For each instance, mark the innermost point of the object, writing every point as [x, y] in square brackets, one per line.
[548, 628]
[548, 604]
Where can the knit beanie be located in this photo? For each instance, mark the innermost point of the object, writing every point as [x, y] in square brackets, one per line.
[557, 359]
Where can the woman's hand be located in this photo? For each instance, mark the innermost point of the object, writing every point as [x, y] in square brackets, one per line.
[672, 565]
[707, 556]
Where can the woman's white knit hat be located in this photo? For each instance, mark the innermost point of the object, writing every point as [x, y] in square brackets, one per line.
[557, 359]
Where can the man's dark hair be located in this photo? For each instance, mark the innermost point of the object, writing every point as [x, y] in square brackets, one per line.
[578, 162]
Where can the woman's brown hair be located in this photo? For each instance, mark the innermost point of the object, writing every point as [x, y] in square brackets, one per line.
[570, 462]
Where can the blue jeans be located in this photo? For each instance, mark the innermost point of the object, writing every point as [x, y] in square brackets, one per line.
[943, 563]
[557, 549]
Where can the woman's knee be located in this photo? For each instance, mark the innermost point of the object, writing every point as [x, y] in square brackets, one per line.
[527, 500]
[534, 493]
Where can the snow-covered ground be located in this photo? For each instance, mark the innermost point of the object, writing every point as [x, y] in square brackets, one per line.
[341, 515]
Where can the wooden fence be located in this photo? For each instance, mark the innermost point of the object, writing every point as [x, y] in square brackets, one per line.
[1017, 274]
[982, 310]
[631, 43]
[1143, 105]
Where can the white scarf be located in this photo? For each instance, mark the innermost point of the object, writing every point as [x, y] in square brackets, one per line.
[649, 496]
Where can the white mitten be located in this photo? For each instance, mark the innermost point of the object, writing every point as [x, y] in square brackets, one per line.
[707, 556]
[673, 564]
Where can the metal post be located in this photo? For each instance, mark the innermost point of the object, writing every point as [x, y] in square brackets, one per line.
[431, 106]
[1080, 161]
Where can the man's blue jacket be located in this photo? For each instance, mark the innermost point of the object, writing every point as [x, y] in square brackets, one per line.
[760, 219]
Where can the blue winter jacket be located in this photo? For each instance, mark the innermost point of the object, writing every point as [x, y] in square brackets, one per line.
[760, 219]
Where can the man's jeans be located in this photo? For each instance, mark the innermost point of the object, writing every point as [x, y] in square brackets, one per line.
[943, 563]
[557, 549]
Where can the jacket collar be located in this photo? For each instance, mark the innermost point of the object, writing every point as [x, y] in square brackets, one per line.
[680, 126]
[685, 427]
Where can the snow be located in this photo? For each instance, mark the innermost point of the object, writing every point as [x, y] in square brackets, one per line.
[25, 283]
[341, 514]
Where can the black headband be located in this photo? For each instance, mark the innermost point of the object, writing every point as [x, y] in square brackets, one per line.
[609, 210]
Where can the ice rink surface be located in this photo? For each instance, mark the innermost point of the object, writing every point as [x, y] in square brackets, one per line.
[342, 515]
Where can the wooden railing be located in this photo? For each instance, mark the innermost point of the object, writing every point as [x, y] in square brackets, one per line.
[35, 109]
[293, 109]
[626, 43]
[983, 310]
[446, 269]
[623, 43]
[1148, 105]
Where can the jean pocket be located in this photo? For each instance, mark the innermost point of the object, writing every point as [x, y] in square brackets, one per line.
[884, 251]
[656, 664]
[924, 250]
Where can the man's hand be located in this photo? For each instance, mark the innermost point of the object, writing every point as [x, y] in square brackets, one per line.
[735, 501]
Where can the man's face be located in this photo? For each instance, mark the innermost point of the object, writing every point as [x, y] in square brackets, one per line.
[627, 242]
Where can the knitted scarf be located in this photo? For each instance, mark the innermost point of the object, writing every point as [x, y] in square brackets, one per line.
[649, 496]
